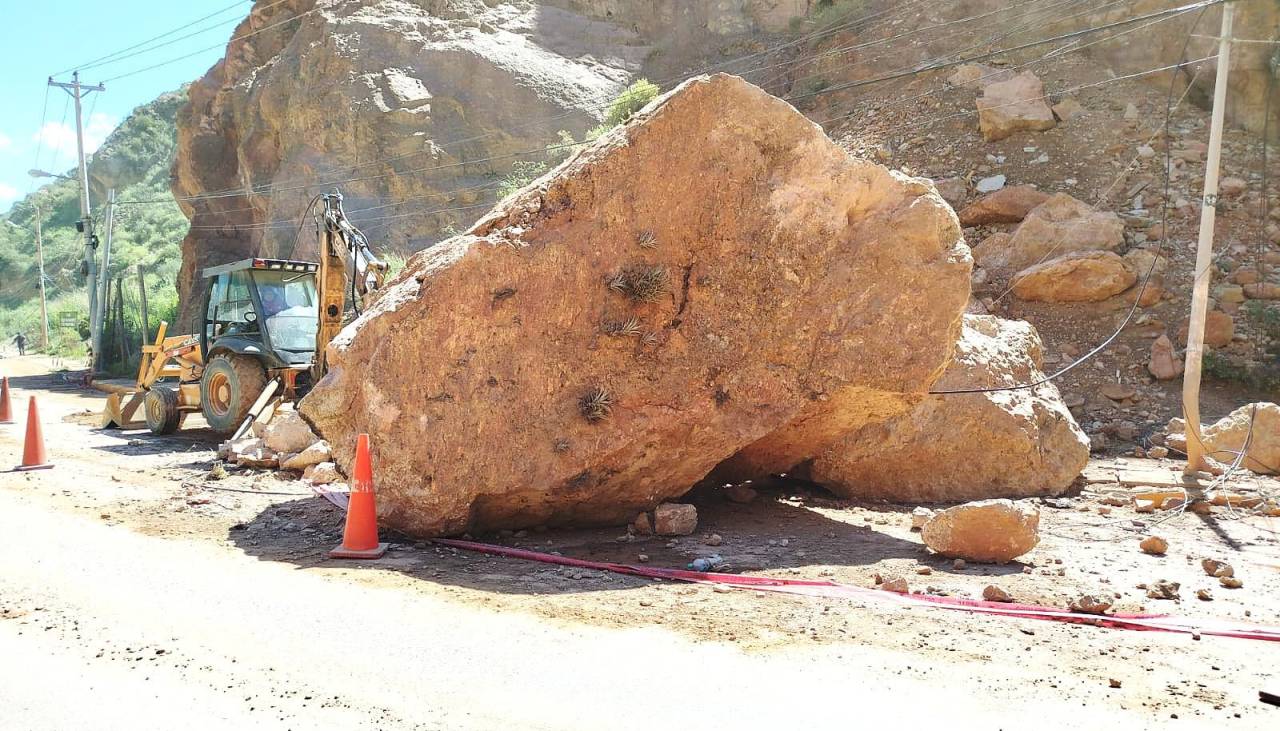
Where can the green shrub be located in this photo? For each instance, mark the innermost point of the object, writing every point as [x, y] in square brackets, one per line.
[630, 101]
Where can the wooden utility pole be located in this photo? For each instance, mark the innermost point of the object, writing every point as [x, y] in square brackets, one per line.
[1204, 254]
[121, 341]
[142, 292]
[96, 324]
[44, 303]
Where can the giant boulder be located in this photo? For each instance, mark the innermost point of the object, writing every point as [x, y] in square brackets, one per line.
[969, 446]
[604, 337]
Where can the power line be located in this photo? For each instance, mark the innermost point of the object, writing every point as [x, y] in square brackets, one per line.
[111, 57]
[233, 39]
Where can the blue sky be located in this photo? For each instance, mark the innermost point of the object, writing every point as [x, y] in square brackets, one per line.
[40, 38]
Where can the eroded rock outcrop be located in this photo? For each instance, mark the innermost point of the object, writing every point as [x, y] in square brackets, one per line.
[955, 447]
[601, 340]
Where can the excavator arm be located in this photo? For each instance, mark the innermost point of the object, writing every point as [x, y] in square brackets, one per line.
[348, 268]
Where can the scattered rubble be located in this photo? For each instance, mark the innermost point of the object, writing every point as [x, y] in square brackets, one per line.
[1154, 545]
[988, 531]
[1090, 604]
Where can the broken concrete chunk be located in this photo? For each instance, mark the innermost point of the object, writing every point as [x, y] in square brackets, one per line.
[738, 329]
[988, 531]
[675, 519]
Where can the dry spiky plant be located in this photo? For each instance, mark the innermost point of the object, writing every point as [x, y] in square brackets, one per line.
[647, 239]
[597, 404]
[626, 329]
[647, 285]
[619, 283]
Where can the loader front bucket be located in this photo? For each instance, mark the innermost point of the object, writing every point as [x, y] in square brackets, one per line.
[121, 406]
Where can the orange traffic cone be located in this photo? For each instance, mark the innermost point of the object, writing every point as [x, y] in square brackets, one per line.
[360, 538]
[33, 456]
[6, 408]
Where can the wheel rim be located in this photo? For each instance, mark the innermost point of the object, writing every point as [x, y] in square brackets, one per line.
[154, 416]
[220, 394]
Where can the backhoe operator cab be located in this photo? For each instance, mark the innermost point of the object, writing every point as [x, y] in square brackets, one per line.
[260, 323]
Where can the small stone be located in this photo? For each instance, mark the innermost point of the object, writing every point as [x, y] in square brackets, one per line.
[1114, 683]
[1230, 582]
[993, 593]
[991, 184]
[897, 585]
[1217, 568]
[1154, 545]
[1118, 391]
[1164, 590]
[1090, 604]
[643, 558]
[713, 540]
[675, 519]
[924, 571]
[1204, 595]
[642, 525]
[1158, 452]
[1131, 111]
[740, 493]
[958, 564]
[919, 517]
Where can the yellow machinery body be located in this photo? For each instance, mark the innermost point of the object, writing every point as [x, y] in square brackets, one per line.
[176, 357]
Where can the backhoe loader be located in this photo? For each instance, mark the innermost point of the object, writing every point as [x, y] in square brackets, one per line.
[266, 324]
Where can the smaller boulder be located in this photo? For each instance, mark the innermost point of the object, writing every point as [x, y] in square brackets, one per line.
[1164, 363]
[978, 76]
[993, 593]
[1008, 107]
[1262, 291]
[288, 432]
[1007, 205]
[675, 519]
[324, 473]
[312, 455]
[919, 517]
[1087, 276]
[1090, 604]
[642, 525]
[1068, 109]
[986, 531]
[1219, 328]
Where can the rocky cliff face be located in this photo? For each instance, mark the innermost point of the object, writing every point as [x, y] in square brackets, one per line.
[413, 108]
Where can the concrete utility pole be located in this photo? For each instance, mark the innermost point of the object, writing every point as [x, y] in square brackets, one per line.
[1204, 254]
[44, 304]
[78, 92]
[96, 325]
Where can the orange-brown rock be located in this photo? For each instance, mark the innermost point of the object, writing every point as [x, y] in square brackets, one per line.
[1030, 443]
[1060, 225]
[987, 531]
[1085, 276]
[1007, 205]
[1262, 291]
[1008, 107]
[603, 338]
[1164, 363]
[1219, 328]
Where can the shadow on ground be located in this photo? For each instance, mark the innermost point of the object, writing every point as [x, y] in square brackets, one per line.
[791, 526]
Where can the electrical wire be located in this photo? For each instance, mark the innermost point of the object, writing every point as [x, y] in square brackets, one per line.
[102, 60]
[1155, 260]
[233, 39]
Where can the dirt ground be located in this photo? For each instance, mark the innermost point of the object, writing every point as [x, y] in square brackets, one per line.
[156, 491]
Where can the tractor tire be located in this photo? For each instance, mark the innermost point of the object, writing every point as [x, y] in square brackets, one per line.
[160, 406]
[228, 388]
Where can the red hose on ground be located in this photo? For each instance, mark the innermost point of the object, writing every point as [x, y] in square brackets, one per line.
[1154, 622]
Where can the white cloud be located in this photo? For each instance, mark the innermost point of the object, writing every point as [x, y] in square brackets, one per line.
[61, 136]
[5, 142]
[8, 193]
